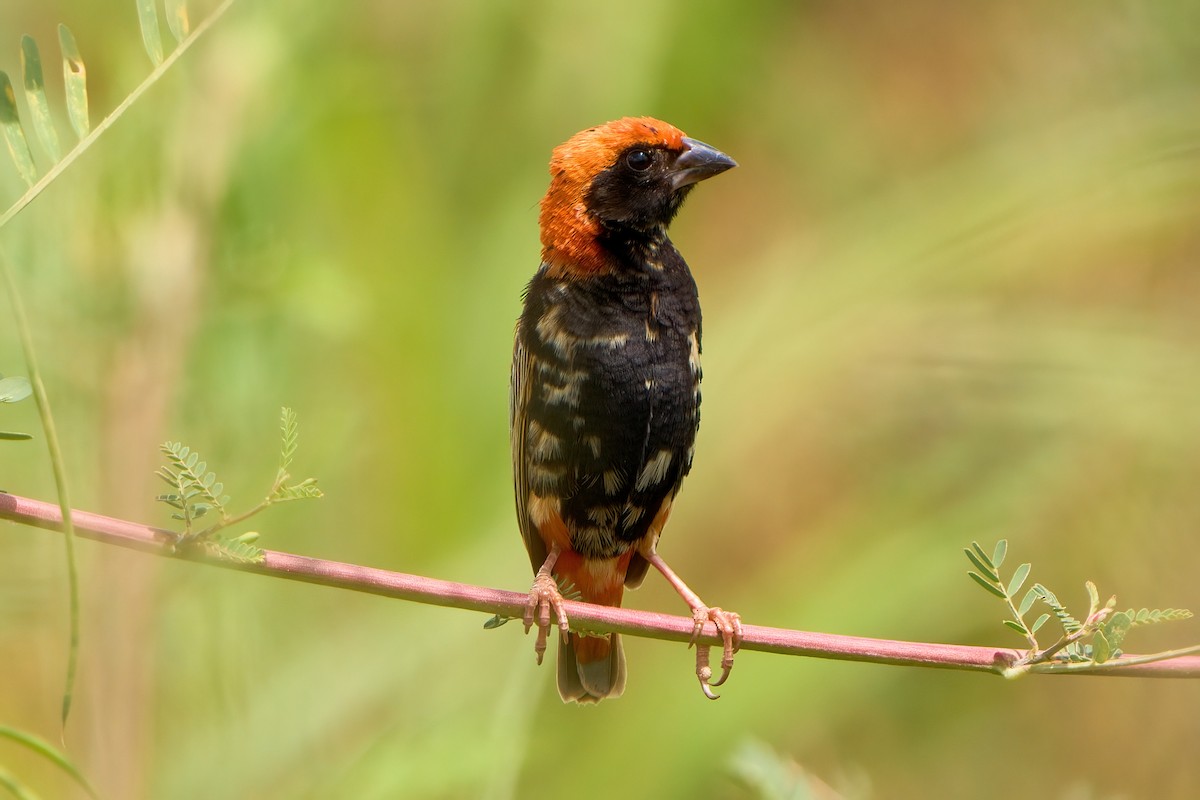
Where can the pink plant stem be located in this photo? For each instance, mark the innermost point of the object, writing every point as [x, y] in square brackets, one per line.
[599, 619]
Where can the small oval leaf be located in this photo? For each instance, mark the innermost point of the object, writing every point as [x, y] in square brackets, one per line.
[1026, 604]
[991, 587]
[75, 81]
[35, 96]
[177, 18]
[14, 389]
[151, 38]
[999, 553]
[1018, 579]
[14, 134]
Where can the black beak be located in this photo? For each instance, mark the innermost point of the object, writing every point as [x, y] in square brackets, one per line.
[697, 162]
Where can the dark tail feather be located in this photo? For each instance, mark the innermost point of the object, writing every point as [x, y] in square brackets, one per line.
[590, 668]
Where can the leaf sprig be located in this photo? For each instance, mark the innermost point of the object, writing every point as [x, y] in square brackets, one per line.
[1086, 644]
[13, 390]
[196, 492]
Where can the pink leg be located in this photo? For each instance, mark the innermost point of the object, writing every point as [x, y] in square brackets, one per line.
[728, 624]
[543, 596]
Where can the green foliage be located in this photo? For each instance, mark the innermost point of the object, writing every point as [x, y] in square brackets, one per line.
[47, 751]
[151, 38]
[13, 390]
[35, 97]
[196, 493]
[75, 82]
[1094, 641]
[14, 134]
[34, 81]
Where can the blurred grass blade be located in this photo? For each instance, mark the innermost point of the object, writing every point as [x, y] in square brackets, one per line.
[75, 80]
[177, 18]
[148, 20]
[13, 436]
[15, 787]
[51, 753]
[14, 134]
[35, 96]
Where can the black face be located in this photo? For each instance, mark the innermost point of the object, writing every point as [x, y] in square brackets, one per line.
[636, 192]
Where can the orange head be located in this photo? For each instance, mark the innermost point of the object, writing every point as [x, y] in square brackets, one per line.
[628, 175]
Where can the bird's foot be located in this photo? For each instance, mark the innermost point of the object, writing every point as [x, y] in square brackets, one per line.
[729, 626]
[543, 596]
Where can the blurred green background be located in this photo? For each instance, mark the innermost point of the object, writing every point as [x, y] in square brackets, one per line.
[951, 293]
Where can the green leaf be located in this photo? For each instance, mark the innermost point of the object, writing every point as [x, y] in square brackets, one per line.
[1101, 649]
[982, 555]
[1116, 627]
[991, 587]
[1026, 604]
[75, 81]
[1039, 622]
[1152, 617]
[35, 96]
[14, 389]
[14, 134]
[1093, 597]
[289, 430]
[1016, 626]
[1069, 623]
[1018, 579]
[301, 491]
[982, 564]
[496, 621]
[13, 436]
[242, 552]
[177, 18]
[999, 553]
[151, 38]
[48, 752]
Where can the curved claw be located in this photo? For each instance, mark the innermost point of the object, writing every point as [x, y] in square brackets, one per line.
[704, 673]
[725, 670]
[543, 596]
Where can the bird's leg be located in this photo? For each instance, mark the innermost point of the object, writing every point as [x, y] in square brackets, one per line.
[728, 624]
[543, 596]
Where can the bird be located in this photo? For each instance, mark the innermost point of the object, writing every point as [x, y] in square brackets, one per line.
[605, 389]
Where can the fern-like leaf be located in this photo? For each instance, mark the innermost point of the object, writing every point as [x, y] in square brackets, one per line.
[1147, 616]
[302, 491]
[1068, 622]
[240, 549]
[196, 485]
[289, 435]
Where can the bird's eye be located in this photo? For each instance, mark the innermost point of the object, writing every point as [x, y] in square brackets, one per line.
[639, 160]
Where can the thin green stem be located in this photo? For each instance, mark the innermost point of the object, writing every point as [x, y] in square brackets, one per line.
[1125, 661]
[60, 475]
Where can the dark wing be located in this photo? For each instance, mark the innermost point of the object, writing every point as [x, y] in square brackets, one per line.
[521, 389]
